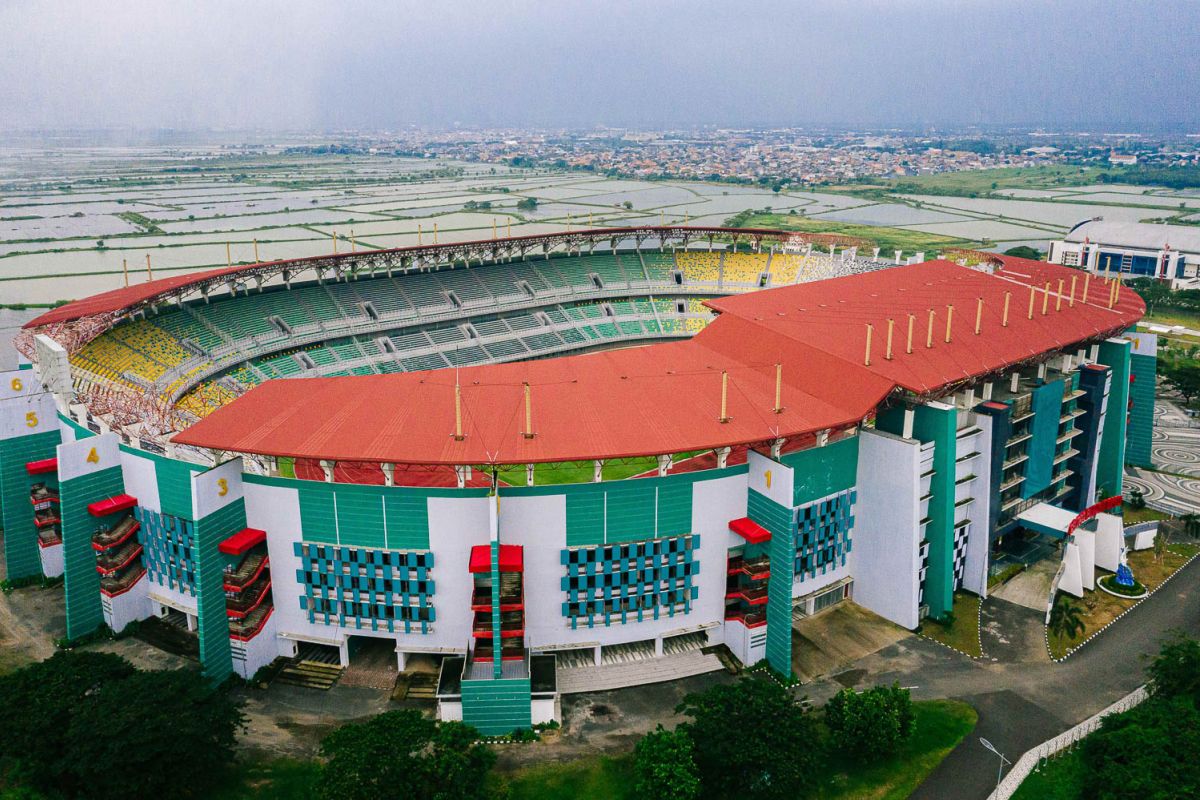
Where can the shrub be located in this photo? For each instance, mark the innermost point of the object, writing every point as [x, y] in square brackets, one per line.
[664, 767]
[871, 723]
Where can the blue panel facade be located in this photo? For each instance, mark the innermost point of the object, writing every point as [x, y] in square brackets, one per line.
[167, 550]
[616, 584]
[380, 590]
[823, 534]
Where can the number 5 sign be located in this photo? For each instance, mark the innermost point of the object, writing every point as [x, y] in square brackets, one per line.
[24, 416]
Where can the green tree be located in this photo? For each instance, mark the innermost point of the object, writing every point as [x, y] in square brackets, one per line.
[1175, 671]
[153, 734]
[1065, 621]
[664, 766]
[753, 741]
[870, 723]
[1147, 753]
[1024, 251]
[1137, 498]
[36, 706]
[527, 203]
[401, 754]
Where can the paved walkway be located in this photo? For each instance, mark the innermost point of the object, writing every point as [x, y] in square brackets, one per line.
[632, 673]
[1031, 588]
[1175, 485]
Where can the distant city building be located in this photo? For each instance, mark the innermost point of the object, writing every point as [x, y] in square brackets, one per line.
[1132, 250]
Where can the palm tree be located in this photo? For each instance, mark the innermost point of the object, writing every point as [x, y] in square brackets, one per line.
[1065, 621]
[1191, 524]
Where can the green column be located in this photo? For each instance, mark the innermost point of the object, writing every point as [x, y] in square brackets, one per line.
[1140, 435]
[1110, 470]
[21, 557]
[939, 424]
[768, 503]
[212, 622]
[89, 471]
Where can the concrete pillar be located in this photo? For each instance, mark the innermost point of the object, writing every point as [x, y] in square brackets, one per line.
[192, 622]
[969, 398]
[722, 457]
[1041, 373]
[899, 253]
[344, 653]
[401, 660]
[909, 417]
[327, 467]
[875, 254]
[1014, 382]
[823, 437]
[1066, 363]
[529, 474]
[777, 447]
[658, 647]
[987, 391]
[597, 471]
[664, 464]
[596, 656]
[1094, 353]
[920, 256]
[389, 474]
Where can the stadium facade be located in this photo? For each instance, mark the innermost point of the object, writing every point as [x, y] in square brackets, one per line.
[1170, 253]
[263, 452]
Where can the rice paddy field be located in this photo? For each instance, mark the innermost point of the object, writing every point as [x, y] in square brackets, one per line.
[76, 221]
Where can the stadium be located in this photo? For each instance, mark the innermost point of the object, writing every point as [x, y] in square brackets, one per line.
[560, 462]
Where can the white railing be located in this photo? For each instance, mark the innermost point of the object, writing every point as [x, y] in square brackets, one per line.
[1030, 760]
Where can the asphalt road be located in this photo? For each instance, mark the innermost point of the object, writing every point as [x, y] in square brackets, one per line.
[1022, 697]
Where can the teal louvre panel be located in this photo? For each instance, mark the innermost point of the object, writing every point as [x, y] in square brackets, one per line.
[499, 706]
[1110, 470]
[630, 582]
[378, 590]
[1139, 436]
[81, 582]
[168, 550]
[823, 534]
[21, 555]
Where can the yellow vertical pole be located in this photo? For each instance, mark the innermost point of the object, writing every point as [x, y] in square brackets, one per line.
[1032, 291]
[1087, 282]
[435, 233]
[228, 256]
[256, 261]
[493, 228]
[778, 388]
[420, 236]
[528, 414]
[724, 396]
[929, 330]
[353, 244]
[887, 352]
[867, 357]
[334, 236]
[149, 273]
[1058, 299]
[125, 269]
[908, 344]
[1046, 298]
[978, 315]
[949, 321]
[458, 429]
[1071, 302]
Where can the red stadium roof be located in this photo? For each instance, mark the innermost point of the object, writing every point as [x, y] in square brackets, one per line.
[666, 398]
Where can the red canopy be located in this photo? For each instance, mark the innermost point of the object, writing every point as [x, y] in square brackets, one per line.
[111, 505]
[43, 466]
[242, 541]
[512, 558]
[750, 530]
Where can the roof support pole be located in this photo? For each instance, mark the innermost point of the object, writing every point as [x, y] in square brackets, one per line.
[1058, 297]
[724, 397]
[777, 447]
[1042, 371]
[722, 457]
[458, 426]
[987, 391]
[327, 467]
[460, 474]
[529, 474]
[389, 474]
[1046, 298]
[778, 389]
[1115, 291]
[528, 434]
[597, 470]
[823, 437]
[978, 315]
[1004, 316]
[908, 344]
[1087, 282]
[929, 330]
[1032, 292]
[256, 261]
[125, 269]
[1071, 300]
[149, 273]
[887, 353]
[949, 321]
[867, 357]
[1014, 382]
[909, 417]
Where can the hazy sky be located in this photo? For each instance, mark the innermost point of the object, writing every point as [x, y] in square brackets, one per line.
[327, 65]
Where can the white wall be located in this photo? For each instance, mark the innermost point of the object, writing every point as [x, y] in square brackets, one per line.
[52, 560]
[975, 573]
[128, 606]
[886, 530]
[249, 657]
[539, 524]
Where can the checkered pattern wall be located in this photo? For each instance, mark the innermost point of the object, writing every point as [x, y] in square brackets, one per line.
[167, 543]
[375, 589]
[823, 534]
[962, 533]
[630, 582]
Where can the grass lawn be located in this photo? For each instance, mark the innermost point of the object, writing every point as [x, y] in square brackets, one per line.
[275, 779]
[1100, 608]
[1132, 516]
[981, 181]
[941, 725]
[1060, 779]
[577, 471]
[963, 631]
[600, 777]
[1172, 317]
[887, 239]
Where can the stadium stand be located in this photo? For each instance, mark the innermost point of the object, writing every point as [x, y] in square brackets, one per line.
[699, 267]
[743, 268]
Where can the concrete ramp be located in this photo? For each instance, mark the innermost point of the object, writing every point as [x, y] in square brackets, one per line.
[1045, 518]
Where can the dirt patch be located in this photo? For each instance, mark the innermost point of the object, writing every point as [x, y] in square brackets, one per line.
[825, 643]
